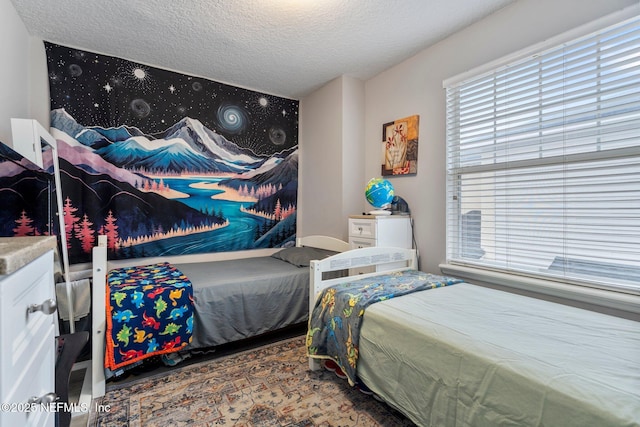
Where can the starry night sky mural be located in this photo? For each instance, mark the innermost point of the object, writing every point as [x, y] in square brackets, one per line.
[165, 163]
[106, 91]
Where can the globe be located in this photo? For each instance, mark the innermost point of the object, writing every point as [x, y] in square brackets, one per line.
[379, 193]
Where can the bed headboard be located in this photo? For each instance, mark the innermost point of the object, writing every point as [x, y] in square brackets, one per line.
[384, 259]
[323, 242]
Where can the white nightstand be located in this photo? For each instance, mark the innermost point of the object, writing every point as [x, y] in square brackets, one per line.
[376, 230]
[379, 230]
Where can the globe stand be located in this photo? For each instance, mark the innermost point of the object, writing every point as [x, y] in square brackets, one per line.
[380, 212]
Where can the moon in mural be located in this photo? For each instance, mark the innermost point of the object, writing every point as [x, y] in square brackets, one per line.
[139, 73]
[277, 135]
[197, 86]
[140, 108]
[75, 70]
[136, 76]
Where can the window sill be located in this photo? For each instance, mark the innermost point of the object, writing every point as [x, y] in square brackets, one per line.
[609, 302]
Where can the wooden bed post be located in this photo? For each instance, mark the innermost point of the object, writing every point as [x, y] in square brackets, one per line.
[98, 317]
[314, 277]
[314, 364]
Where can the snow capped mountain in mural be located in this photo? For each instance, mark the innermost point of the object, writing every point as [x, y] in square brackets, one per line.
[204, 140]
[94, 137]
[186, 147]
[188, 183]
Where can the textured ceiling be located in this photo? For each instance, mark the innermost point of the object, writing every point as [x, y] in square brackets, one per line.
[282, 47]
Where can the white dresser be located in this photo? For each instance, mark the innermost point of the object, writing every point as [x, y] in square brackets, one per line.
[27, 331]
[380, 230]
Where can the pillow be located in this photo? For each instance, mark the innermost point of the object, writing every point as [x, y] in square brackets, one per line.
[302, 256]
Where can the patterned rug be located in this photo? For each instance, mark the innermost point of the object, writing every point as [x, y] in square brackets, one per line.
[268, 386]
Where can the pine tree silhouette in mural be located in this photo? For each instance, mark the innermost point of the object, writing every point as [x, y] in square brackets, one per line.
[70, 220]
[24, 227]
[277, 211]
[85, 234]
[110, 229]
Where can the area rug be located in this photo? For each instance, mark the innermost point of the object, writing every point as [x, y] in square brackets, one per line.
[267, 386]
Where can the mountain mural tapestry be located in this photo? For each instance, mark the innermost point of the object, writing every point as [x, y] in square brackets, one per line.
[28, 198]
[169, 164]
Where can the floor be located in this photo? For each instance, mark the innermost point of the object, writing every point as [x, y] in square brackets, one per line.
[77, 376]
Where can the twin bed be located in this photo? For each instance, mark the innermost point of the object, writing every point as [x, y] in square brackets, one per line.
[442, 351]
[227, 300]
[458, 354]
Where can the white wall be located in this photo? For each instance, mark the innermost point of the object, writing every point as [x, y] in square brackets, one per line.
[320, 177]
[415, 87]
[39, 103]
[353, 149]
[341, 123]
[331, 151]
[14, 69]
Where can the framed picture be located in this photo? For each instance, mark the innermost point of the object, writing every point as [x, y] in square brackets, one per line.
[400, 146]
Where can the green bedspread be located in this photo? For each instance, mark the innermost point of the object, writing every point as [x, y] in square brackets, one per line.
[334, 325]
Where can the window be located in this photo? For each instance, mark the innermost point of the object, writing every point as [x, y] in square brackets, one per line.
[543, 163]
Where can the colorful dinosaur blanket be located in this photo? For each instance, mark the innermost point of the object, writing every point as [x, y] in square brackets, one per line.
[149, 312]
[334, 326]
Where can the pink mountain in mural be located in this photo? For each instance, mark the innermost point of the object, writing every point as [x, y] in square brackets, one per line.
[85, 158]
[186, 147]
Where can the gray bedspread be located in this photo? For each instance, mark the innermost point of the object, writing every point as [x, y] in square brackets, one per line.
[237, 299]
[469, 356]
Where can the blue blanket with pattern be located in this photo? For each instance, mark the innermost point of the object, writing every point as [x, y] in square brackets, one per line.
[334, 326]
[149, 313]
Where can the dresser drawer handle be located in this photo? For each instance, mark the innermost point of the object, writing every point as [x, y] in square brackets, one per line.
[47, 307]
[43, 400]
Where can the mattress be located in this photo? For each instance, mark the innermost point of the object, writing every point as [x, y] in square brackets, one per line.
[466, 355]
[237, 299]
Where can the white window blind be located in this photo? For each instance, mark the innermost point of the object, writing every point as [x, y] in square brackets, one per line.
[544, 163]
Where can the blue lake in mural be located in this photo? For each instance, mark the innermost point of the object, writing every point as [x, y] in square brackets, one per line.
[200, 198]
[238, 235]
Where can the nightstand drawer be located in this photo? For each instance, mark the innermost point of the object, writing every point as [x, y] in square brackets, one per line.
[362, 228]
[357, 243]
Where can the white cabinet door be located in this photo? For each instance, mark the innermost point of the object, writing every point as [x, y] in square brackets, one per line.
[27, 343]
